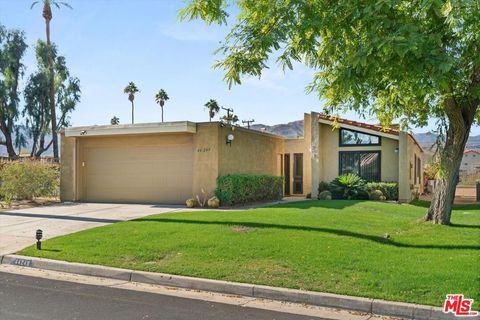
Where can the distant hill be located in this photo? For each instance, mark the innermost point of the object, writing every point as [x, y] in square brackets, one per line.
[295, 129]
[428, 139]
[290, 130]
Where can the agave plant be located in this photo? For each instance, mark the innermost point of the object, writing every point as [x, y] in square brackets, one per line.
[348, 186]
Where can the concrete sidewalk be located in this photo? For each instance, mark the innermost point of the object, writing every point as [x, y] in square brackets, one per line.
[17, 227]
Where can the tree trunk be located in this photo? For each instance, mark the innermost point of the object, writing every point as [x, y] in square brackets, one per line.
[8, 140]
[133, 120]
[460, 120]
[162, 114]
[9, 145]
[51, 93]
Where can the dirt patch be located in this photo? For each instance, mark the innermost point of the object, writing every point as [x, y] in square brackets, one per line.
[242, 229]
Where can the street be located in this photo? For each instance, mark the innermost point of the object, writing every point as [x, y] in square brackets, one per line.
[25, 297]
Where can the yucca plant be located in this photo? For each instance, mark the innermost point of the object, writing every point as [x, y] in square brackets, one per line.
[348, 186]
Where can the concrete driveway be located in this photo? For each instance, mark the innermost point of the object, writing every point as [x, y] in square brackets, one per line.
[17, 227]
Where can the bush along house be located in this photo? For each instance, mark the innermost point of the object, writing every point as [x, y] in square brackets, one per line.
[173, 161]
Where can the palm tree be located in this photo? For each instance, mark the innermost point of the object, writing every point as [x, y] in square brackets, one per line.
[47, 15]
[131, 89]
[160, 98]
[115, 120]
[212, 107]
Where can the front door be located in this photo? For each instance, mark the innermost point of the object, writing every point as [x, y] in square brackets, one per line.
[286, 164]
[298, 173]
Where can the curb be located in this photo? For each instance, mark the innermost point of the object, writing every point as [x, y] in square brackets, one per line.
[371, 306]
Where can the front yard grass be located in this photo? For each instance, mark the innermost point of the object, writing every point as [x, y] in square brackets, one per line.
[328, 246]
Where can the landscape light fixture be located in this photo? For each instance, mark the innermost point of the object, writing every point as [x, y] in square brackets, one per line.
[39, 236]
[230, 138]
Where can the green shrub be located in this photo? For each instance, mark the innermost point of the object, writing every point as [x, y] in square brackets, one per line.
[323, 186]
[348, 186]
[28, 179]
[241, 188]
[325, 195]
[376, 195]
[431, 170]
[388, 189]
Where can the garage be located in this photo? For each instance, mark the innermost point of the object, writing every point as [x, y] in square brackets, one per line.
[136, 169]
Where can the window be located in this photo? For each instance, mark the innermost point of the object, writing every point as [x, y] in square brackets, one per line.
[355, 138]
[415, 168]
[365, 164]
[419, 170]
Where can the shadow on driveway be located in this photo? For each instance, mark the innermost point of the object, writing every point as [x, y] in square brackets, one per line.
[59, 217]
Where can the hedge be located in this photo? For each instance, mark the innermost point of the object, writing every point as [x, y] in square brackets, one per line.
[389, 189]
[28, 179]
[242, 188]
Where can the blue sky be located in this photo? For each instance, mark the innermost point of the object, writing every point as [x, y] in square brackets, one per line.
[108, 43]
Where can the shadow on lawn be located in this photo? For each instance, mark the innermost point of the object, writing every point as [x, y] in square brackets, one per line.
[426, 204]
[326, 204]
[345, 233]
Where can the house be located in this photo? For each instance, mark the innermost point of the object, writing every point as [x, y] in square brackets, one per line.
[170, 162]
[470, 162]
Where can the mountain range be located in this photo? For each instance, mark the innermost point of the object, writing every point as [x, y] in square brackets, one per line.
[294, 129]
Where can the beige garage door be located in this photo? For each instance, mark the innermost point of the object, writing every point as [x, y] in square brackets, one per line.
[136, 169]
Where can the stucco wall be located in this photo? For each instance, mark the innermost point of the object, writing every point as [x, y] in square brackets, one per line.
[408, 150]
[205, 159]
[251, 152]
[67, 168]
[329, 154]
[416, 152]
[301, 145]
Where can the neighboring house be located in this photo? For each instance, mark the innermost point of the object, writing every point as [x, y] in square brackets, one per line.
[470, 162]
[170, 162]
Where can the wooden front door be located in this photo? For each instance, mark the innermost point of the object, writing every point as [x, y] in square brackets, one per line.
[298, 173]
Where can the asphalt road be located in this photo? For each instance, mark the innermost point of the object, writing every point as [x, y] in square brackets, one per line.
[24, 297]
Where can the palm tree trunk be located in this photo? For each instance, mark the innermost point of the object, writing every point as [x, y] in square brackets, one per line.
[133, 108]
[162, 114]
[51, 93]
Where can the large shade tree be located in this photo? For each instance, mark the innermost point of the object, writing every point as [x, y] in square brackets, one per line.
[37, 98]
[12, 50]
[407, 60]
[47, 15]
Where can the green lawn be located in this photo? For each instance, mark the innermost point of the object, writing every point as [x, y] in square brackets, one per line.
[329, 246]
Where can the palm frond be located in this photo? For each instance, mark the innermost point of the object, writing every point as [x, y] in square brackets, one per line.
[34, 3]
[65, 4]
